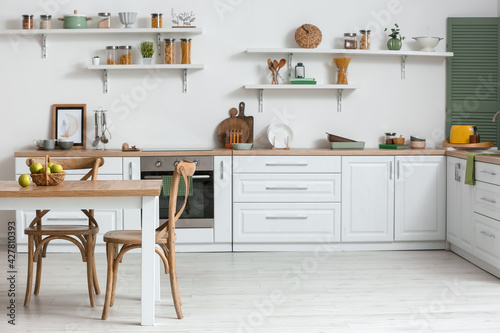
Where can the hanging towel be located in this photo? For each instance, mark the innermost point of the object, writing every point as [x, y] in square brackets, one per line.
[469, 168]
[167, 183]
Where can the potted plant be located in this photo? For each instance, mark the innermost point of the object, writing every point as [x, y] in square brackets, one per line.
[96, 60]
[396, 41]
[147, 50]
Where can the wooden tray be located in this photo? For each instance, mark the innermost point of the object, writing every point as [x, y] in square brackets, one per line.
[487, 144]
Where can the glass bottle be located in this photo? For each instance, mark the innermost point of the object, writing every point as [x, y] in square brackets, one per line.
[300, 71]
[169, 51]
[45, 21]
[125, 55]
[350, 41]
[389, 137]
[186, 50]
[111, 55]
[27, 22]
[156, 20]
[364, 43]
[104, 20]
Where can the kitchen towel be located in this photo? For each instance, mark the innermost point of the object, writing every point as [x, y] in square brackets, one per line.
[470, 178]
[167, 183]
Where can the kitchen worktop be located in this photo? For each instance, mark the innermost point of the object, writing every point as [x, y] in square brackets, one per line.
[120, 153]
[493, 159]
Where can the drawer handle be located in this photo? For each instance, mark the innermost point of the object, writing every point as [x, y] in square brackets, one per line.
[487, 234]
[489, 200]
[286, 217]
[287, 188]
[287, 164]
[67, 219]
[489, 172]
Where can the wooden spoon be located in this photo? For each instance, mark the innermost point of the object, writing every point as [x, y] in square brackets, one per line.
[276, 65]
[282, 63]
[270, 64]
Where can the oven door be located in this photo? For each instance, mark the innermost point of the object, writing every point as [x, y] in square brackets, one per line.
[199, 211]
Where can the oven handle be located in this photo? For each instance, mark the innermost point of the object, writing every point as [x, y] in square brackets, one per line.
[194, 177]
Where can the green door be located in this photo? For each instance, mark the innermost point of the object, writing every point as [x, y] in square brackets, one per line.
[472, 92]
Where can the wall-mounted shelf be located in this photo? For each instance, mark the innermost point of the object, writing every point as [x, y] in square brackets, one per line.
[402, 54]
[106, 68]
[339, 87]
[43, 33]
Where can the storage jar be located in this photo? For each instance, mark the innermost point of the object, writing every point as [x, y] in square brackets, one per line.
[45, 21]
[364, 43]
[169, 51]
[350, 41]
[111, 55]
[389, 138]
[104, 20]
[125, 54]
[28, 22]
[300, 71]
[186, 50]
[156, 20]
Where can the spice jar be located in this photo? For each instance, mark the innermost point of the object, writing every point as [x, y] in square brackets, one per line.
[350, 41]
[300, 71]
[45, 21]
[104, 20]
[186, 50]
[125, 54]
[111, 55]
[364, 43]
[389, 137]
[28, 22]
[169, 51]
[156, 20]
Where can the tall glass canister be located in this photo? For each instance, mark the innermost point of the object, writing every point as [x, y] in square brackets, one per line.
[169, 51]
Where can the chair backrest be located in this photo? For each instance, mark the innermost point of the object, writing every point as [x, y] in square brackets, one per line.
[92, 163]
[183, 169]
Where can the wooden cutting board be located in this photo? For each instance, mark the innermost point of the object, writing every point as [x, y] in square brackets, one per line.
[233, 124]
[248, 120]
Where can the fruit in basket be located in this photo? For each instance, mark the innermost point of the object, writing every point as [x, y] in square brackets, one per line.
[24, 180]
[42, 170]
[50, 164]
[56, 168]
[35, 167]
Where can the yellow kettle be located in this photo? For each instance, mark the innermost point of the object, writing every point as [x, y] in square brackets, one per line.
[462, 133]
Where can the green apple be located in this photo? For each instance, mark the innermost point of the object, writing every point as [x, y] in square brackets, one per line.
[50, 164]
[24, 180]
[42, 170]
[56, 168]
[35, 167]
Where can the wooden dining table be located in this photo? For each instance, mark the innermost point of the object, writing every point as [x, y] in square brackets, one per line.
[101, 194]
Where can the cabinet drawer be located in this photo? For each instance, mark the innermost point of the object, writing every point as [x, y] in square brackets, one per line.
[487, 172]
[112, 166]
[487, 239]
[284, 223]
[286, 188]
[487, 200]
[286, 164]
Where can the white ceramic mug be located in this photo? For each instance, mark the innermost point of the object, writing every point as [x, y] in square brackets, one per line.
[38, 143]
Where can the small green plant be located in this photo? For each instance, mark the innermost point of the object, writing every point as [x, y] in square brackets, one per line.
[147, 49]
[96, 57]
[395, 33]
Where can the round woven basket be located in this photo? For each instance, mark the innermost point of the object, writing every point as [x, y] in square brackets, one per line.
[47, 179]
[308, 36]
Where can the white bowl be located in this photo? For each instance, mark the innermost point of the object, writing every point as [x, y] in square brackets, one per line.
[127, 18]
[242, 146]
[427, 44]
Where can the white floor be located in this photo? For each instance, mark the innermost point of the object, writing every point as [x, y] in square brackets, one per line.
[403, 291]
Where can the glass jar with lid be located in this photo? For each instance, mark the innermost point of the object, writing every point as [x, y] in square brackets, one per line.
[364, 42]
[125, 54]
[156, 20]
[169, 51]
[27, 22]
[111, 55]
[45, 21]
[186, 50]
[104, 20]
[388, 138]
[350, 41]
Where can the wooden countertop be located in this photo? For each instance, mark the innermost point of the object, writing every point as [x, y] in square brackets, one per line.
[493, 159]
[338, 152]
[98, 188]
[119, 153]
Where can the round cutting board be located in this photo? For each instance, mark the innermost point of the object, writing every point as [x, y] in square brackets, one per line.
[233, 124]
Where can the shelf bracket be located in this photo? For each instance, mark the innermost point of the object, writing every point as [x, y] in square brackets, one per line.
[44, 46]
[261, 100]
[339, 100]
[105, 77]
[403, 67]
[158, 47]
[290, 58]
[185, 82]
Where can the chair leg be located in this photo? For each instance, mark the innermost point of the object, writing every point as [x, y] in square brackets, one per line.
[109, 280]
[176, 296]
[38, 273]
[90, 271]
[29, 281]
[94, 269]
[115, 274]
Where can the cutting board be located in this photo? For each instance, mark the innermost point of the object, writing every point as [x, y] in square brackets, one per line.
[233, 124]
[248, 120]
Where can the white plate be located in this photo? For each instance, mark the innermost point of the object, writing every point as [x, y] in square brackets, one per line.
[278, 134]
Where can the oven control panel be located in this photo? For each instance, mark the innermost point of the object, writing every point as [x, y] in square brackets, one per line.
[168, 163]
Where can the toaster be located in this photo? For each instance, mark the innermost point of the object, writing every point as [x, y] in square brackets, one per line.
[462, 133]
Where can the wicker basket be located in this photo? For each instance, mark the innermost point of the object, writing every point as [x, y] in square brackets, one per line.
[47, 179]
[308, 36]
[336, 138]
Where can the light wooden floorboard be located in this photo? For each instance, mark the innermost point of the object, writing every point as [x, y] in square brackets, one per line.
[344, 292]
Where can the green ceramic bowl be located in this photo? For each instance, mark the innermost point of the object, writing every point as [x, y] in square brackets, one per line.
[242, 146]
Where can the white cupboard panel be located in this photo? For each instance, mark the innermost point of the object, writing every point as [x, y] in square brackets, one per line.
[286, 164]
[487, 200]
[487, 239]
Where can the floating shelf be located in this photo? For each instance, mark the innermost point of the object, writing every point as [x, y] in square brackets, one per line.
[105, 69]
[339, 87]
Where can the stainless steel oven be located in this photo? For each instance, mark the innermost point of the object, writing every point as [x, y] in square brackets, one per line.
[199, 211]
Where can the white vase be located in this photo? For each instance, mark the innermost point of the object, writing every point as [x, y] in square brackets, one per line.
[95, 61]
[147, 61]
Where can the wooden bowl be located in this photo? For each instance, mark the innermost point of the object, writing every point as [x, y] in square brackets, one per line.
[417, 144]
[399, 141]
[48, 179]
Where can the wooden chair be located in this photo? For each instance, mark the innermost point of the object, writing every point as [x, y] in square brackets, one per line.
[165, 238]
[83, 236]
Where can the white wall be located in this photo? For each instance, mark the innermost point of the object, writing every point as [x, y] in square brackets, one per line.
[165, 117]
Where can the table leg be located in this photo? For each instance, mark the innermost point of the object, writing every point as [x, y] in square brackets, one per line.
[149, 221]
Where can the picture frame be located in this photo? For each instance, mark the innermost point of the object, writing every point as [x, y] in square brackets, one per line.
[68, 122]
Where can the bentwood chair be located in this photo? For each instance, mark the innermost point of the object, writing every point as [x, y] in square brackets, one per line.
[83, 236]
[165, 239]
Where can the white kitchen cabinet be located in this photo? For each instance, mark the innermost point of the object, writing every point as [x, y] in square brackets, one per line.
[486, 232]
[367, 198]
[386, 198]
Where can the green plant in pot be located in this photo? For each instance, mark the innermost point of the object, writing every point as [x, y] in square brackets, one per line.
[147, 50]
[396, 41]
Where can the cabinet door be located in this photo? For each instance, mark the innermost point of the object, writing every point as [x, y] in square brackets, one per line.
[223, 199]
[367, 199]
[420, 198]
[453, 201]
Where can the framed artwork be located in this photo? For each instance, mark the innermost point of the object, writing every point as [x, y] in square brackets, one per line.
[68, 122]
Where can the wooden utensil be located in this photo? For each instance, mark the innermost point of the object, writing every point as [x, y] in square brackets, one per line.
[248, 120]
[275, 65]
[232, 124]
[282, 63]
